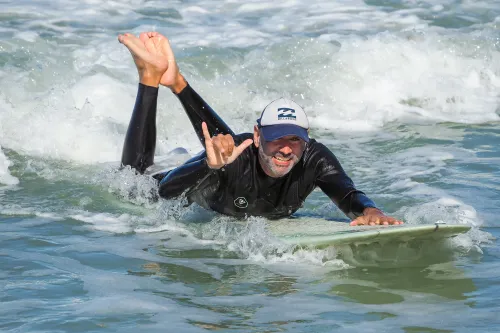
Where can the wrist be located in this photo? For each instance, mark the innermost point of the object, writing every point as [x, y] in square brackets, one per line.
[149, 80]
[372, 211]
[179, 84]
[208, 165]
[213, 167]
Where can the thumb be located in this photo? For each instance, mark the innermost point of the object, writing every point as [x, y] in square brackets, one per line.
[238, 150]
[360, 220]
[244, 145]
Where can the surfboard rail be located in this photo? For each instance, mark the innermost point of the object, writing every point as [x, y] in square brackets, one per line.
[345, 234]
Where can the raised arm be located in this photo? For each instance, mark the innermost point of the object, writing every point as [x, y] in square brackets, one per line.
[153, 60]
[200, 112]
[140, 140]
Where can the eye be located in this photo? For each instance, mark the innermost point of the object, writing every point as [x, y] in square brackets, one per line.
[295, 139]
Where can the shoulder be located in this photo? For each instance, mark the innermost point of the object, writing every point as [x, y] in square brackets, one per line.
[317, 150]
[320, 158]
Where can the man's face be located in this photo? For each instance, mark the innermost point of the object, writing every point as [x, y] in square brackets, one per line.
[278, 157]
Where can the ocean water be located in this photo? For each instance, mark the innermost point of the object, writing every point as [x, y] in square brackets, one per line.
[406, 93]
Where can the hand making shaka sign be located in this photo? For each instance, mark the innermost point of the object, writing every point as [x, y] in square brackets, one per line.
[221, 149]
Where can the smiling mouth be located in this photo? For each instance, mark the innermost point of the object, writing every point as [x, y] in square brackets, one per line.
[280, 161]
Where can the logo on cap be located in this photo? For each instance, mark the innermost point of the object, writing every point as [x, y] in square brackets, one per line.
[286, 114]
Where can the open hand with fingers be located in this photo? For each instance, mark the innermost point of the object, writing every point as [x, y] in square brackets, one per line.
[374, 216]
[154, 59]
[221, 149]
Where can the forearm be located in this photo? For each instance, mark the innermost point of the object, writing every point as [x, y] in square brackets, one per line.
[356, 203]
[183, 178]
[140, 140]
[199, 111]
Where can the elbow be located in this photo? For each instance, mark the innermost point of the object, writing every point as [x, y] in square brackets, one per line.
[170, 191]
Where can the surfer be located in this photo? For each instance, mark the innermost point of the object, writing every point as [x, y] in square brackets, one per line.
[268, 173]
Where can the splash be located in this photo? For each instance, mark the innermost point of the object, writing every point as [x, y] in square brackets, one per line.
[5, 176]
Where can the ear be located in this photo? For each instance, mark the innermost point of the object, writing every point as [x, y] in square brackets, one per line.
[256, 136]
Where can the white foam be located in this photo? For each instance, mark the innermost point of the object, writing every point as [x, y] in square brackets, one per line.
[194, 10]
[347, 83]
[58, 129]
[252, 241]
[29, 36]
[5, 176]
[388, 78]
[355, 67]
[451, 211]
[373, 81]
[121, 223]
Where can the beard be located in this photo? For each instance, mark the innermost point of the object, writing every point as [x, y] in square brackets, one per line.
[273, 169]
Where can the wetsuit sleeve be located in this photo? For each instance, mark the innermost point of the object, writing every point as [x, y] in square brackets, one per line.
[140, 140]
[186, 177]
[196, 176]
[199, 111]
[335, 183]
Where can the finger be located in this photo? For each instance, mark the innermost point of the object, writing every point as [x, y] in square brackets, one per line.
[206, 134]
[229, 144]
[126, 38]
[361, 220]
[387, 220]
[144, 36]
[244, 145]
[218, 151]
[373, 220]
[122, 36]
[225, 144]
[392, 220]
[134, 45]
[219, 147]
[168, 49]
[153, 34]
[208, 143]
[218, 157]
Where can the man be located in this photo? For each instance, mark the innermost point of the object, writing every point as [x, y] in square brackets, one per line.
[268, 173]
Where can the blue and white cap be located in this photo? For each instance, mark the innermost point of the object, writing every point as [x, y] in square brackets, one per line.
[281, 118]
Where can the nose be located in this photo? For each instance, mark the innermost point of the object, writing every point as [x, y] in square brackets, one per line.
[286, 150]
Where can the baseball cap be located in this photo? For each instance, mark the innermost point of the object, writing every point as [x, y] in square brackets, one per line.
[283, 117]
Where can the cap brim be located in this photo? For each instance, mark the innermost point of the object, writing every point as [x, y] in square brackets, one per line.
[275, 132]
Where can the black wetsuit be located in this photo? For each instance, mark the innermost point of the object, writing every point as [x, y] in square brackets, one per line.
[240, 188]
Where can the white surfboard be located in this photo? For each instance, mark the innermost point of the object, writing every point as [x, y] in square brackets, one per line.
[319, 233]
